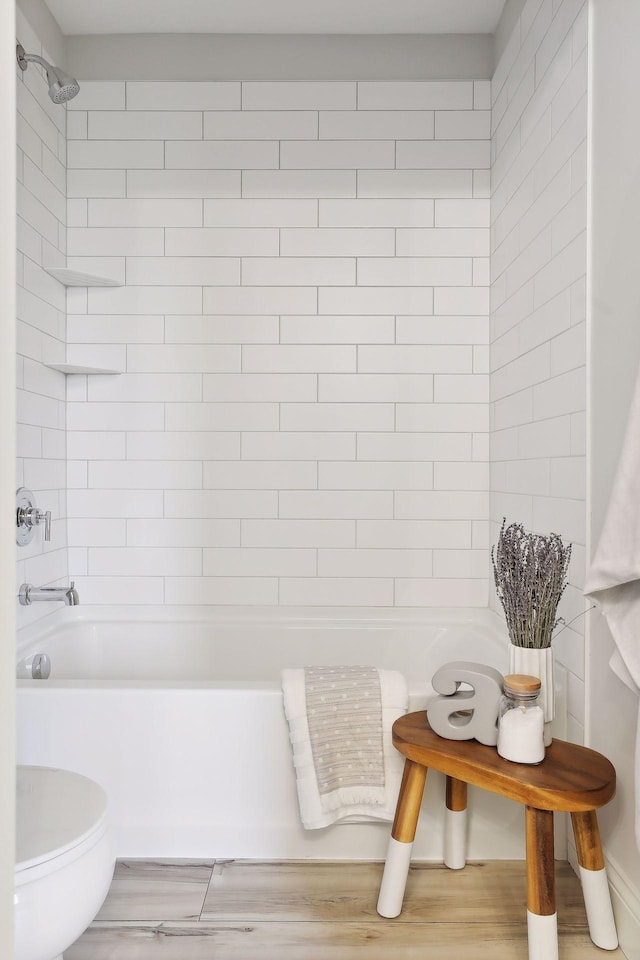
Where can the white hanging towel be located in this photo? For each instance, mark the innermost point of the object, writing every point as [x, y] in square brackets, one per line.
[614, 576]
[340, 721]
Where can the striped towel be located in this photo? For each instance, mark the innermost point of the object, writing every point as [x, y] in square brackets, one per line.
[340, 721]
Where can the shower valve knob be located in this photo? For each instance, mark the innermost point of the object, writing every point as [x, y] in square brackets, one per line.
[37, 667]
[28, 516]
[46, 516]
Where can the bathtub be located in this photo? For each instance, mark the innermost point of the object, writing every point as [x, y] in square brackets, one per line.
[178, 715]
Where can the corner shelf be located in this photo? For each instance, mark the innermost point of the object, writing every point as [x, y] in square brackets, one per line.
[76, 278]
[70, 368]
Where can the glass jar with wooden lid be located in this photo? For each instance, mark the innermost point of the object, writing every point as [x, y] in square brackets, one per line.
[521, 721]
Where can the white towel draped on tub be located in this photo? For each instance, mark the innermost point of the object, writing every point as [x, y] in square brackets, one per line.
[340, 721]
[614, 576]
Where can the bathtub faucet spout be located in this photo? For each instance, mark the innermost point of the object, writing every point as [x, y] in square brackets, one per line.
[29, 594]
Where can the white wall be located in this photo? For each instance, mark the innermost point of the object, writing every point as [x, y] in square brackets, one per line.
[303, 416]
[7, 479]
[538, 341]
[280, 57]
[152, 56]
[41, 241]
[506, 25]
[615, 357]
[41, 21]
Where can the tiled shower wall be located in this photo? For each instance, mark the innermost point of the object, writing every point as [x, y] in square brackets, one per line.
[41, 240]
[303, 330]
[538, 333]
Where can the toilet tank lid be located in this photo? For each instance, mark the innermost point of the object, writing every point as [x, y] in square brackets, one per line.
[55, 811]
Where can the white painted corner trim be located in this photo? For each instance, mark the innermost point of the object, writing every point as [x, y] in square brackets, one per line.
[625, 899]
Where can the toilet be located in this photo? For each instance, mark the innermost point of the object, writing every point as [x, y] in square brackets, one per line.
[64, 859]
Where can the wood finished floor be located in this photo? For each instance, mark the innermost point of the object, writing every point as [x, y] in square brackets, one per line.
[313, 910]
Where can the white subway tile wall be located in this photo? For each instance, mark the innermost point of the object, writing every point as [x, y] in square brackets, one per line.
[41, 237]
[305, 326]
[305, 332]
[538, 340]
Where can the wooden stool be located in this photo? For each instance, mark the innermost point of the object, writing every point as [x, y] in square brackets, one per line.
[571, 778]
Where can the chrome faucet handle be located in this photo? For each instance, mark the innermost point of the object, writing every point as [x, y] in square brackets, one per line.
[46, 516]
[28, 516]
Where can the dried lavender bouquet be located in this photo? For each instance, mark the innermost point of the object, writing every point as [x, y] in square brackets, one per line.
[530, 573]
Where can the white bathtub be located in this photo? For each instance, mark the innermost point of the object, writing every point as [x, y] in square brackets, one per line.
[178, 715]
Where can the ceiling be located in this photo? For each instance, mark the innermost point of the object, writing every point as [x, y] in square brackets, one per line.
[276, 16]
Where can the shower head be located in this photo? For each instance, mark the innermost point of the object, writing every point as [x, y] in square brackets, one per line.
[62, 87]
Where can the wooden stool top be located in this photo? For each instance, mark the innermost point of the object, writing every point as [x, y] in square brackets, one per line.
[570, 778]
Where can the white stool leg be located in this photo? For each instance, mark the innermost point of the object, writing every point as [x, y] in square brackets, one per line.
[394, 878]
[597, 901]
[543, 936]
[542, 923]
[455, 825]
[455, 839]
[396, 868]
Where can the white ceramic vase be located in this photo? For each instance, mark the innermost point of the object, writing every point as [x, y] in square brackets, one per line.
[537, 663]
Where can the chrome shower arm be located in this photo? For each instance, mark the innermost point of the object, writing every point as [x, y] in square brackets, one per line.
[24, 58]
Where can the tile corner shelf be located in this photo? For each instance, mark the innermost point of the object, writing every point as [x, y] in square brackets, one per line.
[76, 278]
[83, 368]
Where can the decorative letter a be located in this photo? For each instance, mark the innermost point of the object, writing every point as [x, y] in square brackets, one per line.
[466, 714]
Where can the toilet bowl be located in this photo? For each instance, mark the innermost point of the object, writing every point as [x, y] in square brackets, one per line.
[64, 860]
